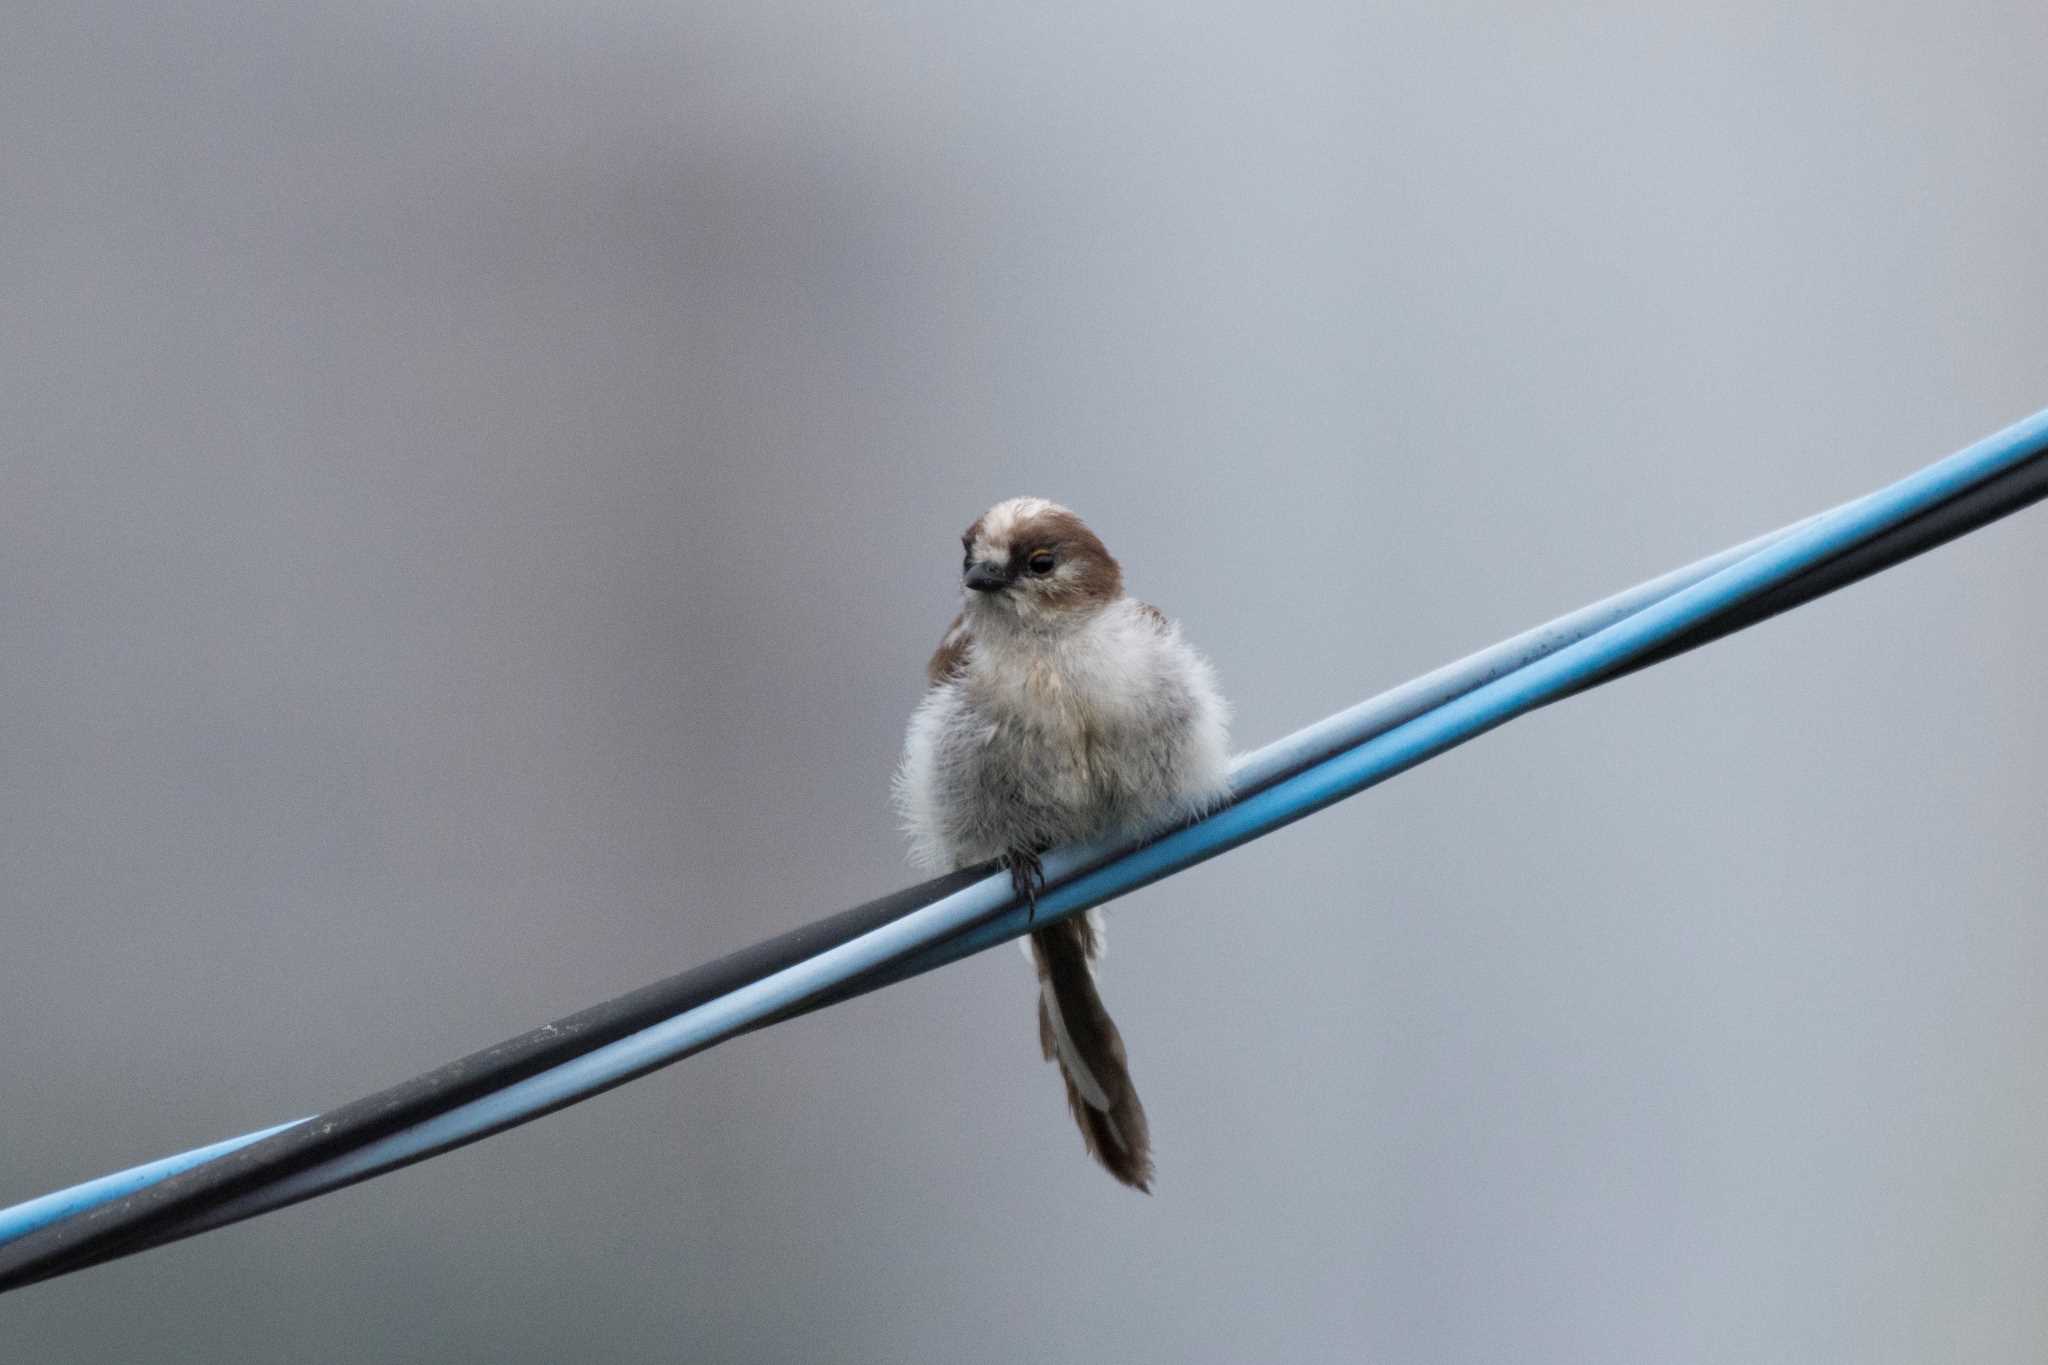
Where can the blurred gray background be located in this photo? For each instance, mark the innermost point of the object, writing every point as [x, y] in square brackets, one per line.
[481, 483]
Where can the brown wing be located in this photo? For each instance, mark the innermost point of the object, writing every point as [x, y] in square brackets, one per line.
[951, 655]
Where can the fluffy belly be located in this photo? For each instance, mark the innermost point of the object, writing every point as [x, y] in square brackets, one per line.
[1025, 786]
[1028, 759]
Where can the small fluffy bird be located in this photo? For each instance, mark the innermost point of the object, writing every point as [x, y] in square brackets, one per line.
[1059, 710]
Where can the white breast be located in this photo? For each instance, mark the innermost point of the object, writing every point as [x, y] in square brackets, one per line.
[1050, 738]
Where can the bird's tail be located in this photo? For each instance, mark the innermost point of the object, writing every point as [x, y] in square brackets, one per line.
[1077, 1032]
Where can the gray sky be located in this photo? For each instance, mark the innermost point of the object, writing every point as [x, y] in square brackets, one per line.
[480, 483]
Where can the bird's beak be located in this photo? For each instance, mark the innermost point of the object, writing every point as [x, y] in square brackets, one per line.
[987, 577]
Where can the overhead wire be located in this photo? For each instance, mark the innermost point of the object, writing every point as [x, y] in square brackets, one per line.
[926, 926]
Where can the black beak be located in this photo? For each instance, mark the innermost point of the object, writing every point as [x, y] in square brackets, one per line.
[986, 577]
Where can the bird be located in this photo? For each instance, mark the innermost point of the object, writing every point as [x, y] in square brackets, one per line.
[1057, 709]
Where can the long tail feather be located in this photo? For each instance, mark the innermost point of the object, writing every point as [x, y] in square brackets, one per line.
[1075, 1031]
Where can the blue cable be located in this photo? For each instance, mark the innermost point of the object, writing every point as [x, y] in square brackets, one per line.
[34, 1213]
[1282, 783]
[1250, 771]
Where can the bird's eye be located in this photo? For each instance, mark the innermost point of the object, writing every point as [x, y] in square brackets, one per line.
[1041, 563]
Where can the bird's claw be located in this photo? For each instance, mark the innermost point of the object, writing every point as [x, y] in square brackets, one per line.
[1027, 877]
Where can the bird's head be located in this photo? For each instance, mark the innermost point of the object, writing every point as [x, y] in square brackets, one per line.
[1035, 563]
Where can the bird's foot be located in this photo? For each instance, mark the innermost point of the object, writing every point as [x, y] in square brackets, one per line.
[1027, 876]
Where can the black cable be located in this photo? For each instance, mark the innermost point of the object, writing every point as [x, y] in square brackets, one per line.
[156, 1214]
[2017, 489]
[135, 1222]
